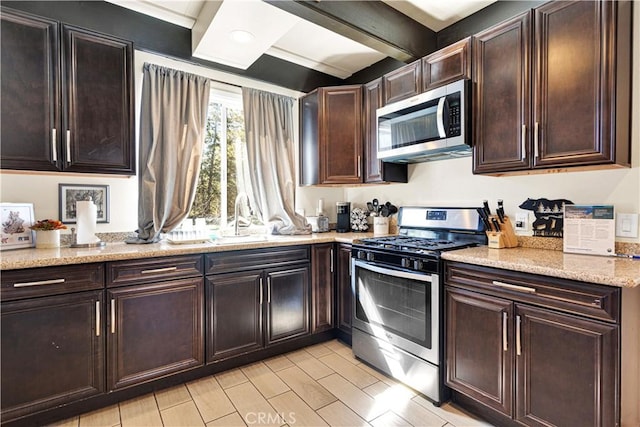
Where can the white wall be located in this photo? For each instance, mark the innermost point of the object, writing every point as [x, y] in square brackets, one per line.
[41, 188]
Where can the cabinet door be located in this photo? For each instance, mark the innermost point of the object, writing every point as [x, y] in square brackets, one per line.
[287, 304]
[234, 314]
[479, 348]
[447, 65]
[501, 98]
[344, 292]
[30, 92]
[154, 330]
[567, 369]
[376, 170]
[402, 83]
[340, 135]
[574, 93]
[322, 273]
[98, 121]
[52, 352]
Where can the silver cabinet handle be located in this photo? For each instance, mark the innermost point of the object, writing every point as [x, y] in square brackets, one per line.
[505, 344]
[524, 142]
[113, 316]
[518, 342]
[331, 261]
[268, 289]
[359, 166]
[535, 140]
[41, 282]
[54, 144]
[514, 287]
[97, 318]
[68, 146]
[261, 298]
[159, 270]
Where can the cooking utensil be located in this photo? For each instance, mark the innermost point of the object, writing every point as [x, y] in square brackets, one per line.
[500, 211]
[484, 218]
[376, 206]
[370, 206]
[485, 203]
[393, 209]
[384, 210]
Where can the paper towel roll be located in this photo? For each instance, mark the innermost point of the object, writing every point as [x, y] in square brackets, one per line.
[86, 216]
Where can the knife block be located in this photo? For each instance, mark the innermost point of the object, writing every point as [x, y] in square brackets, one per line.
[505, 238]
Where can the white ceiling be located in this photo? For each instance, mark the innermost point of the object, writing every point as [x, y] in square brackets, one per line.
[283, 35]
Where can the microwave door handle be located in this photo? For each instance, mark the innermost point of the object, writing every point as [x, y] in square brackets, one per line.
[440, 117]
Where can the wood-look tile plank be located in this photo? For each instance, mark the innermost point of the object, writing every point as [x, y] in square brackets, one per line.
[452, 414]
[380, 376]
[69, 422]
[263, 378]
[295, 411]
[278, 363]
[300, 355]
[105, 417]
[231, 420]
[306, 387]
[185, 414]
[141, 411]
[359, 402]
[210, 399]
[231, 378]
[390, 419]
[315, 368]
[335, 345]
[252, 406]
[338, 414]
[318, 350]
[347, 353]
[348, 370]
[172, 396]
[395, 393]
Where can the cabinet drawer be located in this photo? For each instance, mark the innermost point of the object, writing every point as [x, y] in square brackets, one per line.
[586, 299]
[123, 273]
[225, 262]
[37, 282]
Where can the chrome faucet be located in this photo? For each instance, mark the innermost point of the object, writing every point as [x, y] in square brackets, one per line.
[236, 209]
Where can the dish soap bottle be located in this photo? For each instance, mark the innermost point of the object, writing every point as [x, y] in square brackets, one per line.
[323, 220]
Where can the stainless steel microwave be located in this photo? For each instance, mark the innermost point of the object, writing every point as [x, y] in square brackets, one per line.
[430, 126]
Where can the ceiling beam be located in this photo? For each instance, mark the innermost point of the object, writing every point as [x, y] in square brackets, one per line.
[371, 23]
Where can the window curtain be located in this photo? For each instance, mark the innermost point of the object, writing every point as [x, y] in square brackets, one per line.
[268, 120]
[172, 120]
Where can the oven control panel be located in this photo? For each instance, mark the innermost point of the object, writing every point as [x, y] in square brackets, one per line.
[414, 263]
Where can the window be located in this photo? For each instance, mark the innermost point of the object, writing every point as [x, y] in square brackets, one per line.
[224, 169]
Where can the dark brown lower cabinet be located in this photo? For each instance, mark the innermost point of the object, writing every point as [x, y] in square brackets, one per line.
[247, 311]
[154, 330]
[343, 289]
[536, 352]
[322, 280]
[52, 352]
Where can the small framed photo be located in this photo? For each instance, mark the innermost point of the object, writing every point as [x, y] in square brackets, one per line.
[16, 220]
[69, 194]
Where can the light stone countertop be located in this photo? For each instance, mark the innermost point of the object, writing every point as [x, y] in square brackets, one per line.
[29, 258]
[612, 271]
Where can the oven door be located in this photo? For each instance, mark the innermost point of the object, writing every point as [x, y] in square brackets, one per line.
[398, 307]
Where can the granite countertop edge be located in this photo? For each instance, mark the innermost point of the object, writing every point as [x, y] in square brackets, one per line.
[604, 270]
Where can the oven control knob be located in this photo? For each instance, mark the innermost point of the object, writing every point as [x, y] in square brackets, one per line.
[417, 264]
[370, 256]
[405, 262]
[361, 255]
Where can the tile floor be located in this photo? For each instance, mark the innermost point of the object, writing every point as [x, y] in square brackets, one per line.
[317, 386]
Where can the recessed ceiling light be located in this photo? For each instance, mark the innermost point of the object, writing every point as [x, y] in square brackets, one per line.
[241, 36]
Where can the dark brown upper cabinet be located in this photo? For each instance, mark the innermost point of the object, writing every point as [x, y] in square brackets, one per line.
[447, 65]
[68, 105]
[552, 89]
[331, 136]
[376, 170]
[402, 83]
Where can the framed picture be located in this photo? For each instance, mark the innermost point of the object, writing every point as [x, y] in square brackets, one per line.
[69, 194]
[16, 220]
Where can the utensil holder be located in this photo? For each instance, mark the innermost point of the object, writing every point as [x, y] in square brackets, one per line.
[380, 225]
[505, 238]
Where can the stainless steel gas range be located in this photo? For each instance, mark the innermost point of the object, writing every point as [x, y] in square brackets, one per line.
[398, 294]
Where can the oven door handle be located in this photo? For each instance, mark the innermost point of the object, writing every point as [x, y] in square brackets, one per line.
[394, 273]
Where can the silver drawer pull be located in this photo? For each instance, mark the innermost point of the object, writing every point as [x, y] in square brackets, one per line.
[515, 287]
[159, 270]
[68, 146]
[41, 282]
[113, 316]
[505, 344]
[518, 337]
[54, 144]
[97, 318]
